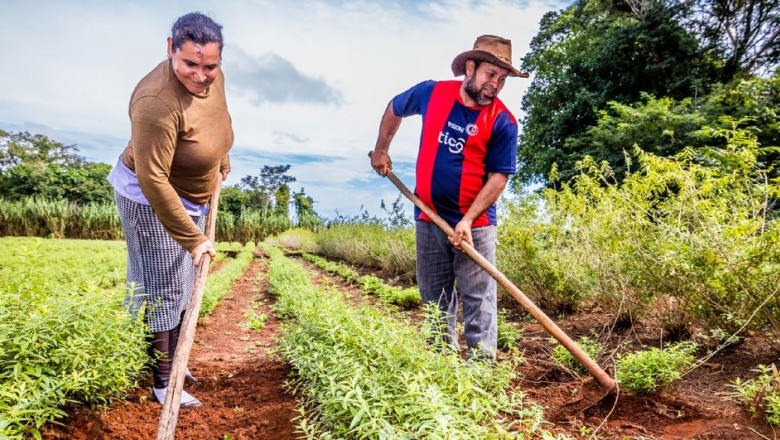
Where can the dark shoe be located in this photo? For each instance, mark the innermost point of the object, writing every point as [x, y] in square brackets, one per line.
[187, 399]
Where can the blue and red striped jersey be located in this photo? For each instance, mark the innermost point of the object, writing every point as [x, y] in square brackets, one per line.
[459, 146]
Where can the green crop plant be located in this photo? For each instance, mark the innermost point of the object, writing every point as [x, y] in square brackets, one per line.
[349, 274]
[508, 332]
[254, 321]
[363, 373]
[61, 347]
[647, 371]
[404, 298]
[762, 393]
[561, 356]
[65, 265]
[219, 284]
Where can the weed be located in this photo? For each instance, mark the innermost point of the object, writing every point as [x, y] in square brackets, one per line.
[647, 371]
[762, 393]
[562, 356]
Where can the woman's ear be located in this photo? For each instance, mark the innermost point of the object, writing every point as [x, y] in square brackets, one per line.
[170, 47]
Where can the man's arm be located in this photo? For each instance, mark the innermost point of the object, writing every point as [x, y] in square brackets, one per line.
[486, 197]
[380, 160]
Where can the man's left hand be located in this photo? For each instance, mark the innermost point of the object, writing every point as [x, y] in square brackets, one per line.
[462, 233]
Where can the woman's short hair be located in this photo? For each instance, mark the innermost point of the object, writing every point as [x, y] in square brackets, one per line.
[197, 28]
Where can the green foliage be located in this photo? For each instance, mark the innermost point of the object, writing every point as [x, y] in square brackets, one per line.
[60, 346]
[647, 371]
[217, 285]
[65, 265]
[34, 165]
[349, 274]
[404, 298]
[363, 374]
[762, 393]
[254, 321]
[370, 244]
[594, 52]
[561, 356]
[508, 332]
[705, 236]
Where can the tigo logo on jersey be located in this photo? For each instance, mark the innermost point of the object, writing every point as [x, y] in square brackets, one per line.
[455, 145]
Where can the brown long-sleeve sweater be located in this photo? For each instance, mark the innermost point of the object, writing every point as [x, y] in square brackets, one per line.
[178, 146]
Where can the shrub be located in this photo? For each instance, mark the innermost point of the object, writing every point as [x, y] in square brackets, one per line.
[647, 371]
[761, 393]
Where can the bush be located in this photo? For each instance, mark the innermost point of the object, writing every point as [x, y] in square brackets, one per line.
[647, 371]
[761, 393]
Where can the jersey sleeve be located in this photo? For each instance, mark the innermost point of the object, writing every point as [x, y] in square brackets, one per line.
[413, 101]
[501, 154]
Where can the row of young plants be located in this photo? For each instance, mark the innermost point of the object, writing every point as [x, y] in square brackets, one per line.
[220, 283]
[508, 332]
[361, 372]
[64, 341]
[41, 217]
[404, 298]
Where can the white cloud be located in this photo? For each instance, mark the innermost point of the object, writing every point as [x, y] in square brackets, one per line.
[308, 81]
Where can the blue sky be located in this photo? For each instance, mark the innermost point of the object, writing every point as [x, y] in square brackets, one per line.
[307, 81]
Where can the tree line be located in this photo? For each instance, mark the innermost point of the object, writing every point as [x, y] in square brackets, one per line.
[659, 74]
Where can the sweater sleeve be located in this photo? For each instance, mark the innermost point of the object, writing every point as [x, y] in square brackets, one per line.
[154, 137]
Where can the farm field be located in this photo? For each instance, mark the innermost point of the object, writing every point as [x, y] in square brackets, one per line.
[245, 366]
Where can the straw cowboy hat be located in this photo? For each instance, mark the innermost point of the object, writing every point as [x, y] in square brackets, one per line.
[495, 50]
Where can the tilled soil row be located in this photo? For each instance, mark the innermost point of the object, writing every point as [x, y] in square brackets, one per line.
[240, 380]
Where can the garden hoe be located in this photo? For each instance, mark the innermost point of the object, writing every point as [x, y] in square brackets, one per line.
[608, 384]
[170, 412]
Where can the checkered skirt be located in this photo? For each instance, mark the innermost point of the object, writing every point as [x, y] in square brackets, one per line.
[159, 271]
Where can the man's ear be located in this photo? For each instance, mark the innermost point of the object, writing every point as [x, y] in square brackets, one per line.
[170, 47]
[470, 68]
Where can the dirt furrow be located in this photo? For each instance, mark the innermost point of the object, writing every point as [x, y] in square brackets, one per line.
[240, 380]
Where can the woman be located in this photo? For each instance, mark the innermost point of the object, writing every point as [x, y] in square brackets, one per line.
[176, 157]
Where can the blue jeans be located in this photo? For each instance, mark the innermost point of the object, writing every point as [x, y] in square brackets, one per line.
[441, 267]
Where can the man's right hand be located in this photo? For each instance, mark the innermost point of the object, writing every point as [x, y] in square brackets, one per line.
[381, 163]
[199, 250]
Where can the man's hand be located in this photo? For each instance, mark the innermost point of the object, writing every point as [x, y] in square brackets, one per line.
[201, 249]
[462, 233]
[381, 163]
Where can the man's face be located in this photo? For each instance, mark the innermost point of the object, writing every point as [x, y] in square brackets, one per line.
[484, 82]
[195, 66]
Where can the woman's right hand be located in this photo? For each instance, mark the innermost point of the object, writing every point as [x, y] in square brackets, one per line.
[199, 250]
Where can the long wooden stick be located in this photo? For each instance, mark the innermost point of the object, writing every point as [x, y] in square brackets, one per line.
[170, 412]
[601, 376]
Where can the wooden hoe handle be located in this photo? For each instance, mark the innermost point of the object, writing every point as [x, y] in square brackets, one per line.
[170, 412]
[601, 376]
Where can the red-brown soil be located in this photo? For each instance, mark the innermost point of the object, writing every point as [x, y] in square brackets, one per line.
[241, 383]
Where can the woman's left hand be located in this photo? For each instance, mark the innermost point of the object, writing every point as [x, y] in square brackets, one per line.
[199, 250]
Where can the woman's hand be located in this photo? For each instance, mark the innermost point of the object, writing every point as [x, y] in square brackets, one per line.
[199, 250]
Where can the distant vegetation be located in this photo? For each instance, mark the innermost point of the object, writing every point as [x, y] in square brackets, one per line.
[48, 190]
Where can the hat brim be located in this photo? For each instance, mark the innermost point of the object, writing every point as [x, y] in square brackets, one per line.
[459, 63]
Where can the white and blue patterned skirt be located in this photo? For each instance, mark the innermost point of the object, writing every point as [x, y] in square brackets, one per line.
[160, 271]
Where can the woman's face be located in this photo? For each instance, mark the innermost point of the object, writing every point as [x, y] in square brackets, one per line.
[195, 66]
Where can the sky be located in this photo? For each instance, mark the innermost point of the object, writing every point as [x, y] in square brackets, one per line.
[307, 81]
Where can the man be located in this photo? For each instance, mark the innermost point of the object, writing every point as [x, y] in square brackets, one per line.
[467, 151]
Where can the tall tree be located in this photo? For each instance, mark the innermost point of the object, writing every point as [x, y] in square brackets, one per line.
[744, 33]
[594, 52]
[262, 188]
